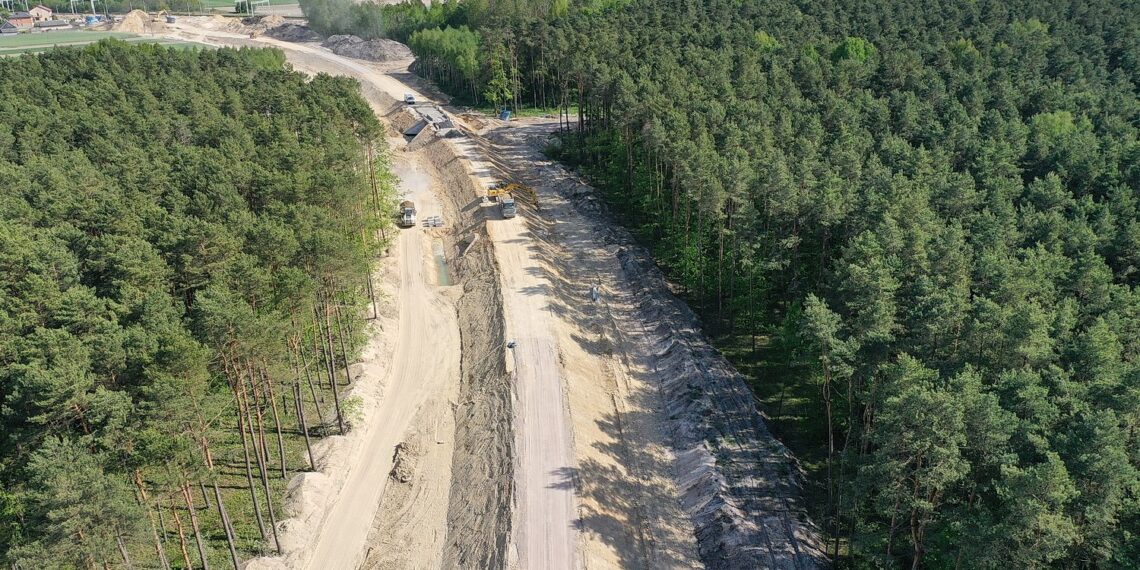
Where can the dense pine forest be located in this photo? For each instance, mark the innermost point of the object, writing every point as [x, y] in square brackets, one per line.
[915, 224]
[186, 239]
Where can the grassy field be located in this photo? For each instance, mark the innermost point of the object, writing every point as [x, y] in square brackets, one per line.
[58, 37]
[36, 43]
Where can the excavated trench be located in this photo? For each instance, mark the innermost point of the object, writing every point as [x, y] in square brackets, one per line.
[738, 484]
[479, 506]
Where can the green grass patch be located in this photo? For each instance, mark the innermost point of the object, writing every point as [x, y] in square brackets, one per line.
[526, 111]
[58, 37]
[5, 50]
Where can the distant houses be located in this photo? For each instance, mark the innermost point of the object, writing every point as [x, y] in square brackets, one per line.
[38, 18]
[21, 21]
[41, 13]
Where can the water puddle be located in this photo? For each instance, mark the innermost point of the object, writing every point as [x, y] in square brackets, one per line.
[443, 275]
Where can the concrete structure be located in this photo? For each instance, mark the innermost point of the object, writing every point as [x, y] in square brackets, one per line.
[52, 24]
[22, 20]
[41, 13]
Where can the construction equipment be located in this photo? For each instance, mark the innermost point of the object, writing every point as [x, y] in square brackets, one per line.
[507, 207]
[505, 193]
[407, 214]
[509, 188]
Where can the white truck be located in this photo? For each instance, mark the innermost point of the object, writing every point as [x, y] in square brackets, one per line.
[507, 207]
[409, 98]
[407, 214]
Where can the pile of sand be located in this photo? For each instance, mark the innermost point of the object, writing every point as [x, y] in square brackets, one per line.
[293, 33]
[221, 24]
[372, 50]
[138, 22]
[263, 22]
[404, 461]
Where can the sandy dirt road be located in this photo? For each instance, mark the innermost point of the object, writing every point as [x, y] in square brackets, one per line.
[596, 481]
[545, 525]
[426, 357]
[545, 530]
[544, 536]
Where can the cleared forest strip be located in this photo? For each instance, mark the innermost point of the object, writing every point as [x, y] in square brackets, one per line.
[737, 483]
[482, 490]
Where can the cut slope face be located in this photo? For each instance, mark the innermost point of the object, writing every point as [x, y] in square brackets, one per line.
[679, 470]
[736, 483]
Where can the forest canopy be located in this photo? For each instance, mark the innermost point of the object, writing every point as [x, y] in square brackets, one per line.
[915, 224]
[186, 238]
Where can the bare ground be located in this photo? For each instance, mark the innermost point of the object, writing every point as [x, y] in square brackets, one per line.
[737, 484]
[672, 466]
[409, 528]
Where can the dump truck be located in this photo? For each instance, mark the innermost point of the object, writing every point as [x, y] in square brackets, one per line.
[507, 207]
[504, 194]
[407, 214]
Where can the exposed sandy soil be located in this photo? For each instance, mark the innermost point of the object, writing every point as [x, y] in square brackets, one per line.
[409, 529]
[338, 509]
[627, 505]
[138, 22]
[681, 411]
[545, 519]
[634, 444]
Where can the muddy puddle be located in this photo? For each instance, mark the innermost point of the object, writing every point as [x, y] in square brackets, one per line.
[443, 276]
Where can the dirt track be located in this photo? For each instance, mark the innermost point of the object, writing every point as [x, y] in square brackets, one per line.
[426, 320]
[613, 462]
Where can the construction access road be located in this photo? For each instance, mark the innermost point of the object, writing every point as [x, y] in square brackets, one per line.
[544, 526]
[562, 456]
[544, 532]
[425, 360]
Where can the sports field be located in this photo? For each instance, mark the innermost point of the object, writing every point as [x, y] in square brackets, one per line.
[36, 42]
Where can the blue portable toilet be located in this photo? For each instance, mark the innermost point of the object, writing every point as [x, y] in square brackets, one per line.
[505, 114]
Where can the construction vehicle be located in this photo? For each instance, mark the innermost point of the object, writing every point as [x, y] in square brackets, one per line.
[508, 189]
[407, 214]
[504, 193]
[507, 207]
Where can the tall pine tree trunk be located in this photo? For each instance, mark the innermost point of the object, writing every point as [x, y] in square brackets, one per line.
[309, 379]
[144, 503]
[226, 525]
[182, 544]
[343, 350]
[188, 497]
[329, 359]
[304, 426]
[276, 420]
[249, 470]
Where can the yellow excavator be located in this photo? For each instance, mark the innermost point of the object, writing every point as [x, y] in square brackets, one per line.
[512, 189]
[506, 189]
[504, 194]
